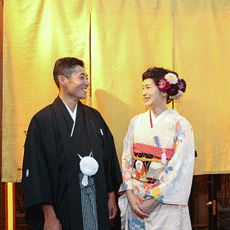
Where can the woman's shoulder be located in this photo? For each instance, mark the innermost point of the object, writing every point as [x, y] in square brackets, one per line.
[180, 118]
[140, 117]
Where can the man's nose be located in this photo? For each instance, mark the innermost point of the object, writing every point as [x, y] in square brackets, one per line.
[87, 82]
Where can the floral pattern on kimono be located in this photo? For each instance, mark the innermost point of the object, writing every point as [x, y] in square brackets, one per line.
[170, 130]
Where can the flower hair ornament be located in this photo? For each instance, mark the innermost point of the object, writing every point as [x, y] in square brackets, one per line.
[172, 85]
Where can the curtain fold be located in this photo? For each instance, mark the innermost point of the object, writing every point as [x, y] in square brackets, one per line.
[127, 38]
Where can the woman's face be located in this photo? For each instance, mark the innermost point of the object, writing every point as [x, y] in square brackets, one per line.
[153, 97]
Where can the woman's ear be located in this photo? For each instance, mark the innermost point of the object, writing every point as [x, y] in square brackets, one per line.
[165, 94]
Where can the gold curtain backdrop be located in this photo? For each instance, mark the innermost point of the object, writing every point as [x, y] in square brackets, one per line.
[202, 57]
[191, 37]
[36, 34]
[127, 38]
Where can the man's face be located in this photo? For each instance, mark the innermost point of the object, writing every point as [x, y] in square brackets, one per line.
[76, 86]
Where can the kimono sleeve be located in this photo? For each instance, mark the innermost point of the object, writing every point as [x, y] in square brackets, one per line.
[127, 157]
[174, 183]
[112, 167]
[35, 180]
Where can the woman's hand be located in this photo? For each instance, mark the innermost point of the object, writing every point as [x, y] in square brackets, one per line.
[148, 206]
[134, 203]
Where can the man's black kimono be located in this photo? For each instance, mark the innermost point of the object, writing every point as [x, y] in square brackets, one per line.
[51, 164]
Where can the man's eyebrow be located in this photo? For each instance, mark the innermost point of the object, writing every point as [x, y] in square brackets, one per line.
[85, 74]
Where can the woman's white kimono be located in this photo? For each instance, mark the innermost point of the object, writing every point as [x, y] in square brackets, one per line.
[173, 185]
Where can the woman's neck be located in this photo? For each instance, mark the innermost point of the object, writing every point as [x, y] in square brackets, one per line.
[157, 111]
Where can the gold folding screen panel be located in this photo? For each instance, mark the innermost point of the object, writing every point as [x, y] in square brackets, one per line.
[127, 37]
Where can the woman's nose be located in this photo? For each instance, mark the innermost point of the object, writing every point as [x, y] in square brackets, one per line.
[144, 92]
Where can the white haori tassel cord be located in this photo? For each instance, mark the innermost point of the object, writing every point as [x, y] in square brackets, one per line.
[88, 166]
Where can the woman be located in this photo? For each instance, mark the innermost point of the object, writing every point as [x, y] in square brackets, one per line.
[158, 159]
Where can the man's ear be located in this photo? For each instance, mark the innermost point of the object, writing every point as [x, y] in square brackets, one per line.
[61, 80]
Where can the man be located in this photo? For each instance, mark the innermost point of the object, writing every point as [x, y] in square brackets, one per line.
[70, 167]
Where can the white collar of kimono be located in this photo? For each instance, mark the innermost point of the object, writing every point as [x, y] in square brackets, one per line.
[154, 119]
[88, 165]
[73, 115]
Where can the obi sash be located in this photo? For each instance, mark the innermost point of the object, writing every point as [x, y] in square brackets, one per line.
[147, 162]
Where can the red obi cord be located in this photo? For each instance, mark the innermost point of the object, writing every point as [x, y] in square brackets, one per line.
[155, 151]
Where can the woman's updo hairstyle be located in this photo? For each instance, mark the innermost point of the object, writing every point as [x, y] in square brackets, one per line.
[166, 81]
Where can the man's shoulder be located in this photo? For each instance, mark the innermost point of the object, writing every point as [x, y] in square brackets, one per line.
[43, 113]
[90, 109]
[41, 118]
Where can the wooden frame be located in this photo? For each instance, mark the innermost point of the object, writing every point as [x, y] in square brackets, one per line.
[3, 186]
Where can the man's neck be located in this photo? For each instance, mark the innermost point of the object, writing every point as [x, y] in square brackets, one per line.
[69, 102]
